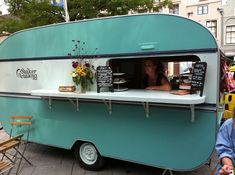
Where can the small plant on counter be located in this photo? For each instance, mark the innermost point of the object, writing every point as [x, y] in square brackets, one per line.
[83, 72]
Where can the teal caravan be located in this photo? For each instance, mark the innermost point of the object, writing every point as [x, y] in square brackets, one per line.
[154, 128]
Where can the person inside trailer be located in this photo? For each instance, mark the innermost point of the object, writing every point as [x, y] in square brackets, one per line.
[155, 78]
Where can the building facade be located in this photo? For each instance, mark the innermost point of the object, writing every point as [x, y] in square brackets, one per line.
[228, 7]
[217, 15]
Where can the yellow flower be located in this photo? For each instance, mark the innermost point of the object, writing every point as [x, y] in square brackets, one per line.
[78, 69]
[83, 72]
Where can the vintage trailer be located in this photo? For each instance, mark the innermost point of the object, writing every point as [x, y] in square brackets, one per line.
[154, 128]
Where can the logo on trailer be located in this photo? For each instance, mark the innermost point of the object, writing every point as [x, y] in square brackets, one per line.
[26, 73]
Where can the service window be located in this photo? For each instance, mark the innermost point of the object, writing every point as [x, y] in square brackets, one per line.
[129, 73]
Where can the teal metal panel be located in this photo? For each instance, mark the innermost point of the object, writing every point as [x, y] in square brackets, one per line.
[114, 35]
[167, 139]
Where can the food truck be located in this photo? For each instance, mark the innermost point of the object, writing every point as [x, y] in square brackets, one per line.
[154, 128]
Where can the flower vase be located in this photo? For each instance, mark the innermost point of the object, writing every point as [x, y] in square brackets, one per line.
[84, 85]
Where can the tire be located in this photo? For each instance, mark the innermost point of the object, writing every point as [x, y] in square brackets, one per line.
[88, 156]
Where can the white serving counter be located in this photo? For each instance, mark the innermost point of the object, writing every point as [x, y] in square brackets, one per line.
[130, 95]
[143, 96]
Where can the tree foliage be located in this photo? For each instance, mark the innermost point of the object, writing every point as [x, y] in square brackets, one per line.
[83, 9]
[36, 13]
[32, 13]
[10, 25]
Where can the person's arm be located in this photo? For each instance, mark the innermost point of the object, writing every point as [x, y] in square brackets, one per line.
[224, 147]
[164, 87]
[227, 166]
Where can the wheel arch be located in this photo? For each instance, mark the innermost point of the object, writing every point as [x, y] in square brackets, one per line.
[79, 142]
[91, 160]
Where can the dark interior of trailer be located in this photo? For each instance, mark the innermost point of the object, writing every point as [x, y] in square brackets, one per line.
[132, 69]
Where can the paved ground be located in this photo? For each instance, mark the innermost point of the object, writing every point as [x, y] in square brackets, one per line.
[54, 161]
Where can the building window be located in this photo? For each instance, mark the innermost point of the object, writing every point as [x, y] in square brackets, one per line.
[212, 26]
[175, 9]
[203, 9]
[230, 34]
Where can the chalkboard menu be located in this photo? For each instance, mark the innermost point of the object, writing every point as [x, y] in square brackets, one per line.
[104, 78]
[198, 77]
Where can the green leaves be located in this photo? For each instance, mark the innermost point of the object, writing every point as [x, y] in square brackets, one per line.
[11, 24]
[32, 13]
[85, 9]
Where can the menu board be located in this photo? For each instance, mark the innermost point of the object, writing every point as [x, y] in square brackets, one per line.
[104, 78]
[198, 77]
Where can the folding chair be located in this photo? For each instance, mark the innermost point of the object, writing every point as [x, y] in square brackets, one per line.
[7, 161]
[5, 166]
[9, 157]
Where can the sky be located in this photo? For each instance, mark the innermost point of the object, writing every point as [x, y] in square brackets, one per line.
[3, 7]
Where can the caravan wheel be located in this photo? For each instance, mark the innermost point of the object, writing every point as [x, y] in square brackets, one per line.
[88, 156]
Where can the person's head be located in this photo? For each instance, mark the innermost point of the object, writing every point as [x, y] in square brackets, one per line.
[151, 66]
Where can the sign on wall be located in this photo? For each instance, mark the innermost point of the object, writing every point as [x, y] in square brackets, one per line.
[198, 77]
[104, 78]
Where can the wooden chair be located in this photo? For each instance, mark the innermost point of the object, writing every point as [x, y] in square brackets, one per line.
[5, 166]
[10, 149]
[7, 160]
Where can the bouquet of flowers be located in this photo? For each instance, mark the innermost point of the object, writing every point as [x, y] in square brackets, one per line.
[83, 74]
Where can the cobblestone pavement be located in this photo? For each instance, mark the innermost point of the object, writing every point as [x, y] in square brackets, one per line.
[55, 161]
